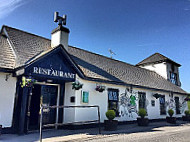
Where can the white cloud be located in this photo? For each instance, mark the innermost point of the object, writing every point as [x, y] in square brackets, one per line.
[8, 6]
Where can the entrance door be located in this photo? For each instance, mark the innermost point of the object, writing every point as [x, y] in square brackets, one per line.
[47, 96]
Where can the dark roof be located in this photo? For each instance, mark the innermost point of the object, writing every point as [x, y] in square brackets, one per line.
[156, 58]
[28, 47]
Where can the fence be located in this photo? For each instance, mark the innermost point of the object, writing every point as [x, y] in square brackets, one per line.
[61, 124]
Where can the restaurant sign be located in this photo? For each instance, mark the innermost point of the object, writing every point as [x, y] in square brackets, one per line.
[54, 66]
[53, 73]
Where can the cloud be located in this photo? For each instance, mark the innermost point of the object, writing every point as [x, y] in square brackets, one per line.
[8, 6]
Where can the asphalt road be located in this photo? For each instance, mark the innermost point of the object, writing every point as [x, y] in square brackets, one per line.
[161, 134]
[155, 132]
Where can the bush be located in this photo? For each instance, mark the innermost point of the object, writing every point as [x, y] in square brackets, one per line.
[170, 112]
[142, 112]
[110, 114]
[187, 112]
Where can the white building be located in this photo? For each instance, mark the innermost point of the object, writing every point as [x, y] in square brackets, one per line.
[55, 66]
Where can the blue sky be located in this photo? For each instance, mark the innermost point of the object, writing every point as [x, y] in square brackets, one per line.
[133, 29]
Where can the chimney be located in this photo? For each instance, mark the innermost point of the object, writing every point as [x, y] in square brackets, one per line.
[60, 35]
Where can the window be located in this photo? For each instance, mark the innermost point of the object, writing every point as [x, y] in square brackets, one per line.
[85, 97]
[177, 105]
[142, 100]
[162, 105]
[113, 100]
[173, 78]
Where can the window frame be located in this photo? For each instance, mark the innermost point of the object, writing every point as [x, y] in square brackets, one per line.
[164, 105]
[173, 78]
[82, 95]
[140, 94]
[114, 101]
[177, 107]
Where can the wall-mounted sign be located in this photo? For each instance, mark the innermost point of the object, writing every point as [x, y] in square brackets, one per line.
[153, 103]
[52, 72]
[55, 66]
[85, 97]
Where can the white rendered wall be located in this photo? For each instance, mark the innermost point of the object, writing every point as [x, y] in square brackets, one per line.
[101, 99]
[69, 113]
[7, 96]
[60, 37]
[160, 68]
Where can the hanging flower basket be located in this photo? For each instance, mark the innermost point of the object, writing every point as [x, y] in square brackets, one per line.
[100, 88]
[28, 82]
[157, 95]
[76, 85]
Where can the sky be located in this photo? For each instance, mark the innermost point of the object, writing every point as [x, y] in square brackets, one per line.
[132, 29]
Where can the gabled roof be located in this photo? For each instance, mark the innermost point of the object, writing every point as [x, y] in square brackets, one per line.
[156, 58]
[52, 52]
[29, 47]
[25, 45]
[7, 57]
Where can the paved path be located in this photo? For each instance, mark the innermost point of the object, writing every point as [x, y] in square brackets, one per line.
[155, 132]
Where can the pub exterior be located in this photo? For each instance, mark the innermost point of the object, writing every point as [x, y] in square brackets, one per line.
[54, 69]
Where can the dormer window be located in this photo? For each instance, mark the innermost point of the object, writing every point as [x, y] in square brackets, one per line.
[173, 78]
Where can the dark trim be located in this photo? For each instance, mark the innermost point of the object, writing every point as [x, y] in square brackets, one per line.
[17, 105]
[61, 102]
[6, 70]
[23, 111]
[8, 130]
[60, 28]
[66, 55]
[156, 62]
[129, 85]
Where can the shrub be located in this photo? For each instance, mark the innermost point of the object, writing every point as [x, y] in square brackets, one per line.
[142, 112]
[187, 112]
[110, 114]
[170, 112]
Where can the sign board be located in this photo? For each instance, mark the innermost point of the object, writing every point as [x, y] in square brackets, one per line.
[53, 66]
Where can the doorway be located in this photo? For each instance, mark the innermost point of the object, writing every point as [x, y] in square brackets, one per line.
[46, 95]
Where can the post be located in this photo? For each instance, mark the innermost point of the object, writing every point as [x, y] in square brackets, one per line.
[41, 113]
[99, 119]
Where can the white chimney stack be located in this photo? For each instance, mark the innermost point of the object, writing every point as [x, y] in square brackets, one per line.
[60, 35]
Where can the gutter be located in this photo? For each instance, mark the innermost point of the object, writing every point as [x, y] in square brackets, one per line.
[132, 85]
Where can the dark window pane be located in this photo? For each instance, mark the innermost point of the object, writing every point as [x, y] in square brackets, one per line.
[162, 105]
[177, 105]
[113, 100]
[142, 100]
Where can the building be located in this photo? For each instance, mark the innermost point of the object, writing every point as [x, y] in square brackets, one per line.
[153, 84]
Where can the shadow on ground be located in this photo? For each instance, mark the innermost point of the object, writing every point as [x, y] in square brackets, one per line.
[85, 133]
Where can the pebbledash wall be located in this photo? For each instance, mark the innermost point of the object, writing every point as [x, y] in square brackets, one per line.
[126, 112]
[7, 97]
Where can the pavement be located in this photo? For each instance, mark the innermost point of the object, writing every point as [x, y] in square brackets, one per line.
[156, 131]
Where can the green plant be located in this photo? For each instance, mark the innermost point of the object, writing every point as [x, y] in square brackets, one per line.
[142, 112]
[170, 112]
[187, 112]
[110, 114]
[76, 85]
[27, 82]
